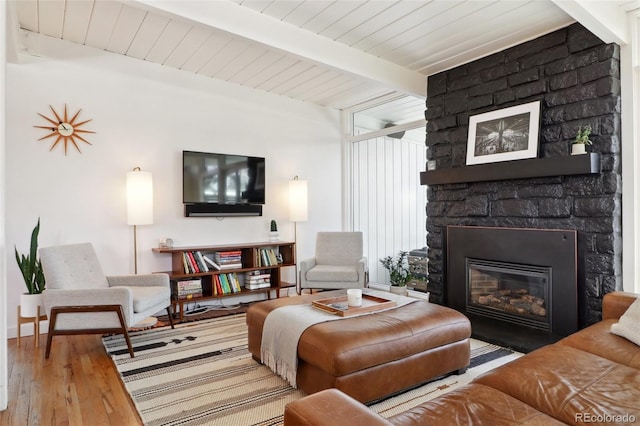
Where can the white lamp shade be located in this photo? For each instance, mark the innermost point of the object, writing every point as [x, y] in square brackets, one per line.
[139, 198]
[298, 201]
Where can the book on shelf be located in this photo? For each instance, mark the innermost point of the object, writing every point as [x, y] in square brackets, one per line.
[186, 263]
[195, 283]
[257, 278]
[194, 262]
[256, 286]
[267, 257]
[201, 263]
[186, 289]
[189, 295]
[229, 259]
[257, 281]
[217, 287]
[210, 262]
[227, 283]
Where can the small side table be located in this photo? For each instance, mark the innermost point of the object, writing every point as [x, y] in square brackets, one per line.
[36, 324]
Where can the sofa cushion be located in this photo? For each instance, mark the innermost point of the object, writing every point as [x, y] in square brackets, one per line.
[598, 339]
[366, 341]
[338, 248]
[629, 324]
[473, 404]
[72, 266]
[567, 383]
[332, 273]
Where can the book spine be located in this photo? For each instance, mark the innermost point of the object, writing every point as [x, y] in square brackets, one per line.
[194, 264]
[224, 284]
[201, 262]
[185, 261]
[189, 295]
[236, 283]
[218, 285]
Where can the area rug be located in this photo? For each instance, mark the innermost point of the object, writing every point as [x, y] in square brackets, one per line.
[202, 373]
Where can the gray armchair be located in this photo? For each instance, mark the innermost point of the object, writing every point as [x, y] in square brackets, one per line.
[80, 299]
[338, 263]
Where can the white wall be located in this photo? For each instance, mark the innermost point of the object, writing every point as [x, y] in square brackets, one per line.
[145, 115]
[3, 288]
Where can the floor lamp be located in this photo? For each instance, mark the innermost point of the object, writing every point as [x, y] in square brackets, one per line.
[298, 212]
[139, 204]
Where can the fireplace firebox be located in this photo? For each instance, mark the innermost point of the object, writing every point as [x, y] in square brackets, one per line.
[514, 293]
[514, 277]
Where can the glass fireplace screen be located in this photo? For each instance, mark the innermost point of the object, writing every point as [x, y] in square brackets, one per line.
[515, 293]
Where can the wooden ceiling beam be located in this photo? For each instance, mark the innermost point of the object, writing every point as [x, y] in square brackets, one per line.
[244, 22]
[605, 19]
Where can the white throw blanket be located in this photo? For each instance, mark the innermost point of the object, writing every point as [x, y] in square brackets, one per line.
[283, 327]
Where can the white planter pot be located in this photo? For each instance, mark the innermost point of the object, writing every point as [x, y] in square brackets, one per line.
[578, 148]
[273, 236]
[29, 304]
[402, 291]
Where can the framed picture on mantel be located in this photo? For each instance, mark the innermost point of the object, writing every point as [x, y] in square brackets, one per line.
[504, 135]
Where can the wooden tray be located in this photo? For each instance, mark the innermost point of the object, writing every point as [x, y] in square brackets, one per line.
[338, 305]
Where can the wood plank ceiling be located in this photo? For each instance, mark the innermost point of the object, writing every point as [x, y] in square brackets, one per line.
[332, 53]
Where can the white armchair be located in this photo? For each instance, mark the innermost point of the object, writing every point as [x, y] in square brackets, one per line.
[338, 263]
[80, 299]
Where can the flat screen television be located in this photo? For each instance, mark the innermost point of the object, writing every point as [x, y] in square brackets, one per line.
[210, 178]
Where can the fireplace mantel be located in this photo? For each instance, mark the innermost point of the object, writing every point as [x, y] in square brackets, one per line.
[517, 169]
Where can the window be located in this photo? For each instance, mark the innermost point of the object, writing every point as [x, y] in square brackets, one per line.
[385, 200]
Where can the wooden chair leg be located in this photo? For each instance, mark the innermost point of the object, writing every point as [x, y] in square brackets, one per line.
[36, 327]
[125, 332]
[117, 309]
[19, 325]
[50, 333]
[170, 316]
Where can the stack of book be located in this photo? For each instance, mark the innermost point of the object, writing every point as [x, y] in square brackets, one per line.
[194, 262]
[186, 289]
[257, 279]
[226, 283]
[229, 259]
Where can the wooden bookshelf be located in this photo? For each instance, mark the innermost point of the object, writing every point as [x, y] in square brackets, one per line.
[251, 259]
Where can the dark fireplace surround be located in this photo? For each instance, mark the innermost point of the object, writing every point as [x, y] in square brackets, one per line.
[552, 249]
[577, 79]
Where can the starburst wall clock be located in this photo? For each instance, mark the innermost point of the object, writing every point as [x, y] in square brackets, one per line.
[65, 129]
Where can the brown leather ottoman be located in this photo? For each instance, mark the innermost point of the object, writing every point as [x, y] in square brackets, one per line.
[373, 356]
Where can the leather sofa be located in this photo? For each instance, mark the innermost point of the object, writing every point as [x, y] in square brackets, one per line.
[592, 376]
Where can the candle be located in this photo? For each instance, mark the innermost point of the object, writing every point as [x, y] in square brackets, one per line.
[354, 297]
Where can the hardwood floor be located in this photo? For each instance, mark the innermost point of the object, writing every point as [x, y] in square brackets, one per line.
[77, 385]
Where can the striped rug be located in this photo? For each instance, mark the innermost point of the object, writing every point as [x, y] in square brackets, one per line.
[202, 374]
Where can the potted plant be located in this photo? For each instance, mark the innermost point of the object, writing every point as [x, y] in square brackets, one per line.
[31, 269]
[273, 231]
[582, 139]
[399, 274]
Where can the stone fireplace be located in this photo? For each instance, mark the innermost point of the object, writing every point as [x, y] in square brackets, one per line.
[576, 77]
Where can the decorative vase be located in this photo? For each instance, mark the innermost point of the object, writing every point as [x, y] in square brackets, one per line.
[400, 290]
[577, 149]
[273, 236]
[29, 305]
